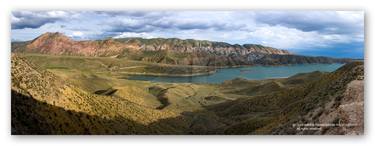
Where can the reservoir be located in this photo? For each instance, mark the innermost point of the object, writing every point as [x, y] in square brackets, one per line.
[251, 73]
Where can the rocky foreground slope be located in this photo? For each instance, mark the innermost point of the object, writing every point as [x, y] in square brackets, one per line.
[332, 105]
[43, 103]
[169, 51]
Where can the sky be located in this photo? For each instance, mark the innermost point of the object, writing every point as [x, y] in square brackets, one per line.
[314, 33]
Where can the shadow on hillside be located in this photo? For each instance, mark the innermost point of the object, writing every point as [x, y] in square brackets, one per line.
[30, 116]
[33, 117]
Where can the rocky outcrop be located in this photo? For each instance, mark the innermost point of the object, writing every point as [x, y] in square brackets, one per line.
[59, 44]
[191, 46]
[343, 112]
[333, 106]
[348, 114]
[325, 104]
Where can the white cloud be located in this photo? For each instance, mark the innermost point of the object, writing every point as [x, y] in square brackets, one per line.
[291, 38]
[282, 37]
[14, 19]
[133, 34]
[57, 14]
[77, 33]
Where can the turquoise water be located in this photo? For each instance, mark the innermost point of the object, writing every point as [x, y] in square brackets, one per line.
[251, 73]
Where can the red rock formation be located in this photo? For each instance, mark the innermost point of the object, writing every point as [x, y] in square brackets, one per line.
[59, 44]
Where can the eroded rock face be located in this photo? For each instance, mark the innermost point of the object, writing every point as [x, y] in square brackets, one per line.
[349, 113]
[343, 113]
[168, 51]
[58, 43]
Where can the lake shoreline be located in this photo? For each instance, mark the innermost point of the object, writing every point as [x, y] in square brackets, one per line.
[249, 73]
[169, 75]
[210, 72]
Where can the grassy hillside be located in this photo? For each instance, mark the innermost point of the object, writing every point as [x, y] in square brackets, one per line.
[308, 103]
[87, 95]
[114, 66]
[41, 98]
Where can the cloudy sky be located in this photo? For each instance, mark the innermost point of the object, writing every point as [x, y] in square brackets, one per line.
[315, 33]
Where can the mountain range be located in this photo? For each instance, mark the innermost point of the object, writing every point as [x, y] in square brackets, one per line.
[169, 51]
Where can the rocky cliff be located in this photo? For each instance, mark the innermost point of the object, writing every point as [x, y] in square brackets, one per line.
[58, 43]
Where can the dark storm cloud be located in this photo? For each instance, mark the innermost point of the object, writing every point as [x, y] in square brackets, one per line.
[135, 14]
[188, 25]
[133, 21]
[27, 19]
[150, 26]
[150, 22]
[131, 27]
[322, 22]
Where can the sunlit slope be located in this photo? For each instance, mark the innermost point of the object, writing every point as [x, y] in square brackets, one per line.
[43, 103]
[91, 75]
[115, 66]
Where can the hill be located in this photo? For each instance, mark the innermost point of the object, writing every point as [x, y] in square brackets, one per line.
[43, 103]
[329, 104]
[69, 101]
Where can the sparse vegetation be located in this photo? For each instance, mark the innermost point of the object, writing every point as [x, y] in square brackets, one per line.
[91, 95]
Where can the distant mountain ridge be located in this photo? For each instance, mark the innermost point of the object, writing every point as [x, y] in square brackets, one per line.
[57, 43]
[169, 51]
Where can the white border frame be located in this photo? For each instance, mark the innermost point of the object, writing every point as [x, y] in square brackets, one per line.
[6, 6]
